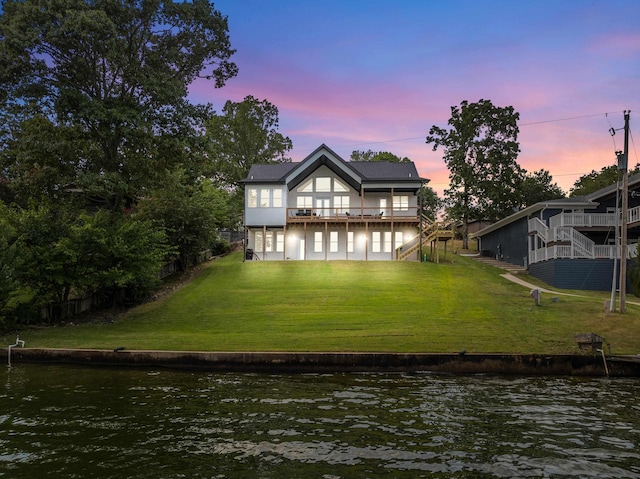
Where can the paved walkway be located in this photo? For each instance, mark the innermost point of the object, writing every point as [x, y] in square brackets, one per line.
[526, 284]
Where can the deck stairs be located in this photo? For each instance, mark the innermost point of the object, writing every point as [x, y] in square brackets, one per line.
[581, 246]
[432, 231]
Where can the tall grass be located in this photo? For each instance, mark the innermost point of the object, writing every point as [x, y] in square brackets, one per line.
[354, 306]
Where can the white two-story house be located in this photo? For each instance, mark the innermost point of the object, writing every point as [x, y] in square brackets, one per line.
[325, 208]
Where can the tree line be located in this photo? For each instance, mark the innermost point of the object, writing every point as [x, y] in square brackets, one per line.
[107, 170]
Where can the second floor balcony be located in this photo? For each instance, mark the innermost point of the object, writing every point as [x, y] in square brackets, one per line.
[352, 215]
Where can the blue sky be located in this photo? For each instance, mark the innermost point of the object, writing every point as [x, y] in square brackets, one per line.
[377, 74]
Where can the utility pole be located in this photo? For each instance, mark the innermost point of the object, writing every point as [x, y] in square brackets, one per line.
[625, 206]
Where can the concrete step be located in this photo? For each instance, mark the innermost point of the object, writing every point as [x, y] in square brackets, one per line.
[511, 268]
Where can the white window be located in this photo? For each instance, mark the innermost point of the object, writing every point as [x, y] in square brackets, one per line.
[305, 202]
[341, 204]
[264, 197]
[252, 195]
[317, 242]
[259, 241]
[387, 241]
[401, 203]
[306, 187]
[277, 198]
[323, 184]
[333, 241]
[350, 242]
[279, 241]
[375, 241]
[338, 187]
[268, 243]
[399, 239]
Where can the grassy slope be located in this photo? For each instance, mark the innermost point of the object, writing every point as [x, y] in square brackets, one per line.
[354, 306]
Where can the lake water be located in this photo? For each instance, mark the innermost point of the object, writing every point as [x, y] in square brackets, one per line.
[68, 422]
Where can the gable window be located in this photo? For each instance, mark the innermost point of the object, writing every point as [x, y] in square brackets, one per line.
[338, 187]
[252, 198]
[333, 242]
[265, 197]
[306, 187]
[375, 241]
[323, 184]
[317, 242]
[401, 203]
[277, 198]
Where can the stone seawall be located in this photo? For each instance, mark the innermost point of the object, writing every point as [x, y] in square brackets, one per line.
[296, 362]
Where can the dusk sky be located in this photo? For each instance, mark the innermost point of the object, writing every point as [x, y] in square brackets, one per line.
[359, 75]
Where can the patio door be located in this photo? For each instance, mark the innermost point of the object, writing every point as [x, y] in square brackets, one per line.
[323, 206]
[383, 207]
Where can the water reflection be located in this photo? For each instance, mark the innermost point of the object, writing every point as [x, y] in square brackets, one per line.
[76, 422]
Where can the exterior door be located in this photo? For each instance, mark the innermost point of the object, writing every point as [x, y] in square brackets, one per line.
[383, 207]
[302, 249]
[323, 206]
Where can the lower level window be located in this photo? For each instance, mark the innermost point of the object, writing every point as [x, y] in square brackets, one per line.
[333, 242]
[375, 241]
[317, 242]
[279, 241]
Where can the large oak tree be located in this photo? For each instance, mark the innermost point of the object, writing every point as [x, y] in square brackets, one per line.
[480, 149]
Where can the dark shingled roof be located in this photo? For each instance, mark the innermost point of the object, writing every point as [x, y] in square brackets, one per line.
[270, 172]
[368, 170]
[385, 170]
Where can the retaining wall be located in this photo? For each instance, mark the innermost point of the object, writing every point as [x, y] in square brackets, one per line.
[293, 362]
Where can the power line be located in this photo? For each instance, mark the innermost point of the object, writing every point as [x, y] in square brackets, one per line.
[521, 124]
[567, 119]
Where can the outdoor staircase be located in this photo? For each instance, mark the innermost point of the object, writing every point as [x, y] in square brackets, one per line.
[432, 232]
[581, 246]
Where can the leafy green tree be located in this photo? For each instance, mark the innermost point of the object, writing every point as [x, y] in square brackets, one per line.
[118, 73]
[244, 134]
[596, 180]
[189, 214]
[106, 253]
[15, 297]
[480, 149]
[369, 155]
[431, 204]
[539, 186]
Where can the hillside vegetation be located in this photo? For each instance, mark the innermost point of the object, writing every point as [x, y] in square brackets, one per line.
[354, 306]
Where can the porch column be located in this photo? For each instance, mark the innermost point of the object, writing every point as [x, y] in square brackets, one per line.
[264, 241]
[346, 239]
[284, 242]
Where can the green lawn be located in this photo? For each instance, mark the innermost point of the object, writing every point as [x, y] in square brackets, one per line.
[353, 306]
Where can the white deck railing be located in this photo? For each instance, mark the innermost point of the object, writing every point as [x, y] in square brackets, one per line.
[578, 245]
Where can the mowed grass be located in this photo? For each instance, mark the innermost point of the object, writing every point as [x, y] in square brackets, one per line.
[354, 306]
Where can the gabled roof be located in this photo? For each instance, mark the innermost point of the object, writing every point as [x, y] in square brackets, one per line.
[355, 173]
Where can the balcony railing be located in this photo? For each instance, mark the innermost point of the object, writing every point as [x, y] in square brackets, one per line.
[301, 215]
[569, 252]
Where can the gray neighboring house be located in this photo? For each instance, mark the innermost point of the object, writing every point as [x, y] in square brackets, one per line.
[325, 208]
[569, 242]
